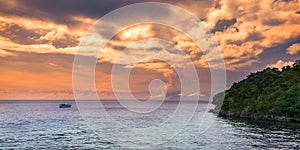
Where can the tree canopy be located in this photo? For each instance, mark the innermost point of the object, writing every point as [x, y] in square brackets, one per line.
[267, 92]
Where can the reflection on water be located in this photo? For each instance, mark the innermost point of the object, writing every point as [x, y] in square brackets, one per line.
[268, 134]
[41, 124]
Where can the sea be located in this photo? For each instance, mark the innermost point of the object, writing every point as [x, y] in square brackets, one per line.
[41, 124]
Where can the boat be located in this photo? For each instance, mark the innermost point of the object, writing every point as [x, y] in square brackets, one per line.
[65, 105]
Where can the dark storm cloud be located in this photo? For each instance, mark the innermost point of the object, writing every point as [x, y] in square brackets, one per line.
[273, 21]
[222, 25]
[119, 48]
[61, 11]
[20, 35]
[255, 36]
[23, 36]
[65, 41]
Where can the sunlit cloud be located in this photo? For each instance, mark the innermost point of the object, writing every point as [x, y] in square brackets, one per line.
[293, 49]
[36, 48]
[244, 31]
[280, 64]
[136, 32]
[34, 35]
[249, 27]
[4, 53]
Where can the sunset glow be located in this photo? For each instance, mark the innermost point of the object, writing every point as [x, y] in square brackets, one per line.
[38, 44]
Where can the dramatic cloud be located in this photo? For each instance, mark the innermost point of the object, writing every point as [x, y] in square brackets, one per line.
[294, 49]
[279, 64]
[244, 29]
[38, 41]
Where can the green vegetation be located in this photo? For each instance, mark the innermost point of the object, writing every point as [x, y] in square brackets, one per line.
[269, 94]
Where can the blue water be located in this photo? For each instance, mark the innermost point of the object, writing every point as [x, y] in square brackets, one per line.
[42, 125]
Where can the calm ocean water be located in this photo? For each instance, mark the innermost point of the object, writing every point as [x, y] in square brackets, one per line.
[42, 125]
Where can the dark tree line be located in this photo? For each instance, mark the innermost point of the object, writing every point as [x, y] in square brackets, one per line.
[267, 92]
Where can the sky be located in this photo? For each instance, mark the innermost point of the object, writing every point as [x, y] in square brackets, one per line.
[39, 39]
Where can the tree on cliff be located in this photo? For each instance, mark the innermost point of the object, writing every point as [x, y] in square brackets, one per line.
[269, 92]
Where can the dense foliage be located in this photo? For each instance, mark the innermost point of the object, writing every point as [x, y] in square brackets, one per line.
[268, 92]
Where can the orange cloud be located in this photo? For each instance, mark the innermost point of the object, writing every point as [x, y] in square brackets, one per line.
[258, 25]
[243, 29]
[294, 49]
[280, 63]
[33, 35]
[4, 53]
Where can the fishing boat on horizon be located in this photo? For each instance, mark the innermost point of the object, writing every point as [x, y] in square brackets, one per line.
[65, 105]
